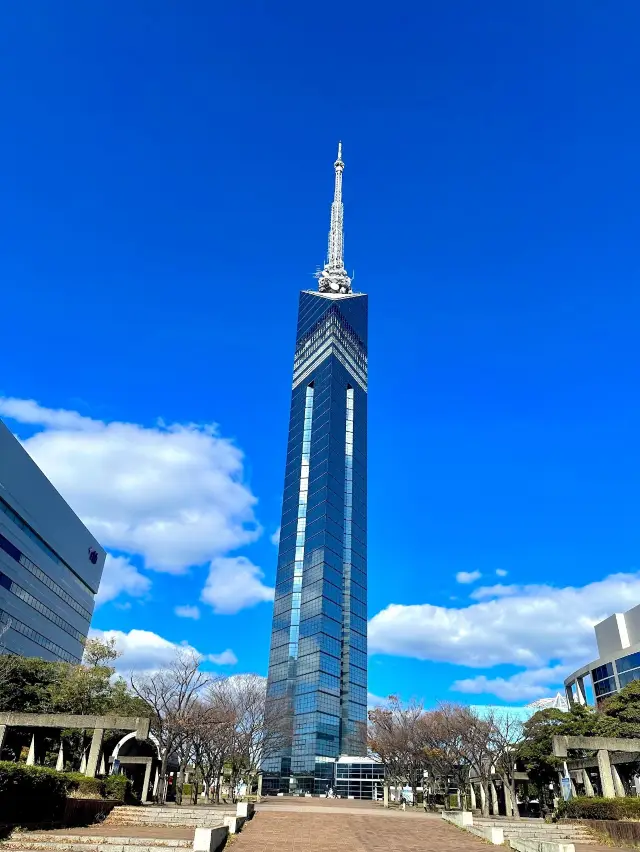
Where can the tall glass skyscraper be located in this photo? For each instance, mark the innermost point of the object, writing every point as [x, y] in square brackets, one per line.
[317, 684]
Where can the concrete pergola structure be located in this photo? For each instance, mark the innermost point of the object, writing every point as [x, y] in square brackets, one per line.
[609, 778]
[99, 724]
[147, 762]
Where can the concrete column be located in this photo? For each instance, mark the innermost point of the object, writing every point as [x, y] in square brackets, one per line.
[259, 795]
[588, 786]
[385, 794]
[3, 732]
[582, 695]
[569, 693]
[618, 786]
[156, 780]
[60, 761]
[31, 757]
[472, 797]
[94, 753]
[483, 798]
[145, 783]
[494, 798]
[606, 778]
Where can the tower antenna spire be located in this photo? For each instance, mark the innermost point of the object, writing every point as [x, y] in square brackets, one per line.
[333, 278]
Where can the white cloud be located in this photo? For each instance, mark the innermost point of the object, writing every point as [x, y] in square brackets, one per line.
[175, 494]
[497, 591]
[121, 577]
[187, 612]
[275, 538]
[467, 576]
[226, 658]
[524, 686]
[29, 411]
[143, 650]
[536, 628]
[501, 572]
[234, 583]
[374, 701]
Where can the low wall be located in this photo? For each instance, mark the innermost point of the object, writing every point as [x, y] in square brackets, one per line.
[209, 839]
[86, 811]
[77, 812]
[459, 818]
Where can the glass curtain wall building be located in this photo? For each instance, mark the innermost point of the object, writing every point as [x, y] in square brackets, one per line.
[50, 564]
[317, 683]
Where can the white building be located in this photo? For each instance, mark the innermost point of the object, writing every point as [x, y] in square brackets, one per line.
[556, 702]
[618, 663]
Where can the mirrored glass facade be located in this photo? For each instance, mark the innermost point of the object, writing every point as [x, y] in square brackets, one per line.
[317, 678]
[50, 564]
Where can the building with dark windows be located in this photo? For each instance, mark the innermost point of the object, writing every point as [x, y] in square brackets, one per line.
[317, 684]
[50, 564]
[618, 663]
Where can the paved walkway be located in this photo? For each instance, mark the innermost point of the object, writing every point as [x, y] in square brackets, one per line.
[327, 825]
[342, 825]
[350, 829]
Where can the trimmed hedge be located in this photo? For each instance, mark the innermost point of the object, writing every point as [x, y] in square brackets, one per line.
[118, 787]
[30, 793]
[36, 794]
[83, 787]
[585, 807]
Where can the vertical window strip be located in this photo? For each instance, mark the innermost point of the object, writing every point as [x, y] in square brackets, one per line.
[346, 555]
[294, 628]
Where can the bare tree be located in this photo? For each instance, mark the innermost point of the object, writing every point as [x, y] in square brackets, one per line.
[252, 734]
[445, 755]
[467, 738]
[507, 733]
[397, 736]
[172, 693]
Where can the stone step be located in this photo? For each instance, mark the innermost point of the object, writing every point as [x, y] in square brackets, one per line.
[133, 809]
[167, 818]
[503, 823]
[205, 821]
[541, 835]
[111, 844]
[551, 830]
[37, 836]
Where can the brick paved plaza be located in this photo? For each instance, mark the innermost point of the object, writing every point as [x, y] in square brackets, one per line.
[349, 827]
[321, 825]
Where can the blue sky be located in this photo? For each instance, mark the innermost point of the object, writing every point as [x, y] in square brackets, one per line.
[166, 182]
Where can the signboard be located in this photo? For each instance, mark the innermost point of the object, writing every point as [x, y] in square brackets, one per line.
[566, 788]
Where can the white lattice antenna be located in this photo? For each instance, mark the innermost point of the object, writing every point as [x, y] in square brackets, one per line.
[333, 278]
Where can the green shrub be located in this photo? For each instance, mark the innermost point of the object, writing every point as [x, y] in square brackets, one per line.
[85, 788]
[584, 807]
[118, 787]
[31, 794]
